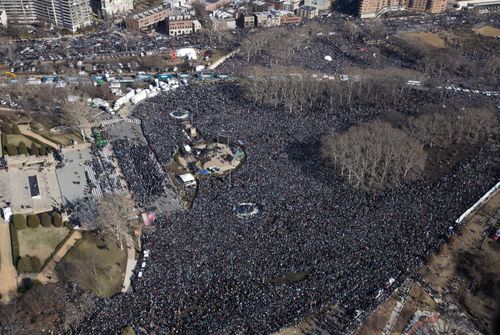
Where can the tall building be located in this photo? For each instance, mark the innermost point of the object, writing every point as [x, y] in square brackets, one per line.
[69, 14]
[19, 11]
[430, 6]
[374, 8]
[436, 6]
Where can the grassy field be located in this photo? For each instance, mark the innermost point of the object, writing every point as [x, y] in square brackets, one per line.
[101, 264]
[430, 39]
[40, 241]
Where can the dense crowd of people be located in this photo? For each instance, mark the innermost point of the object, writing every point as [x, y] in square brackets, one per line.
[105, 170]
[210, 272]
[144, 176]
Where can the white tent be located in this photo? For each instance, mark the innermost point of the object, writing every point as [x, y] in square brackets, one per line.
[190, 53]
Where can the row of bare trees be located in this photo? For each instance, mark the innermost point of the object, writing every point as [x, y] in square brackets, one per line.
[297, 88]
[375, 156]
[442, 129]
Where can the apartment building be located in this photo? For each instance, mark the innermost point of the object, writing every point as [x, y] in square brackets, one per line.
[436, 6]
[267, 19]
[20, 12]
[144, 20]
[182, 25]
[307, 12]
[246, 20]
[69, 14]
[375, 8]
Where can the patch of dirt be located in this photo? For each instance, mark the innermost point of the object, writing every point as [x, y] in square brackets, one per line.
[487, 31]
[418, 299]
[430, 39]
[376, 322]
[467, 270]
[464, 273]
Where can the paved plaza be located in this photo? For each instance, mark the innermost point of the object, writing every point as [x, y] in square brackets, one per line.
[72, 175]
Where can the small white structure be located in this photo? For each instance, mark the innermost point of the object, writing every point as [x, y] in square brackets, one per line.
[3, 18]
[7, 213]
[188, 53]
[328, 58]
[188, 179]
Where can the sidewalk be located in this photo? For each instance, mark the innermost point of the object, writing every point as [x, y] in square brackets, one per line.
[131, 263]
[48, 275]
[8, 273]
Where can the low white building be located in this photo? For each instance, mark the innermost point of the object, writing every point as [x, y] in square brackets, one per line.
[188, 179]
[319, 4]
[3, 18]
[112, 7]
[479, 5]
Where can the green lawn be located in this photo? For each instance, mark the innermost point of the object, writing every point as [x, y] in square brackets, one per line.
[40, 241]
[108, 262]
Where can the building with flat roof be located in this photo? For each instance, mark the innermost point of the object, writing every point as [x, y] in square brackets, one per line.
[307, 12]
[477, 5]
[108, 8]
[375, 8]
[182, 25]
[69, 14]
[267, 19]
[20, 12]
[320, 4]
[145, 20]
[289, 18]
[246, 20]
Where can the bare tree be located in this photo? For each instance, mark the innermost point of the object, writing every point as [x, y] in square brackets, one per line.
[76, 114]
[115, 216]
[375, 156]
[39, 310]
